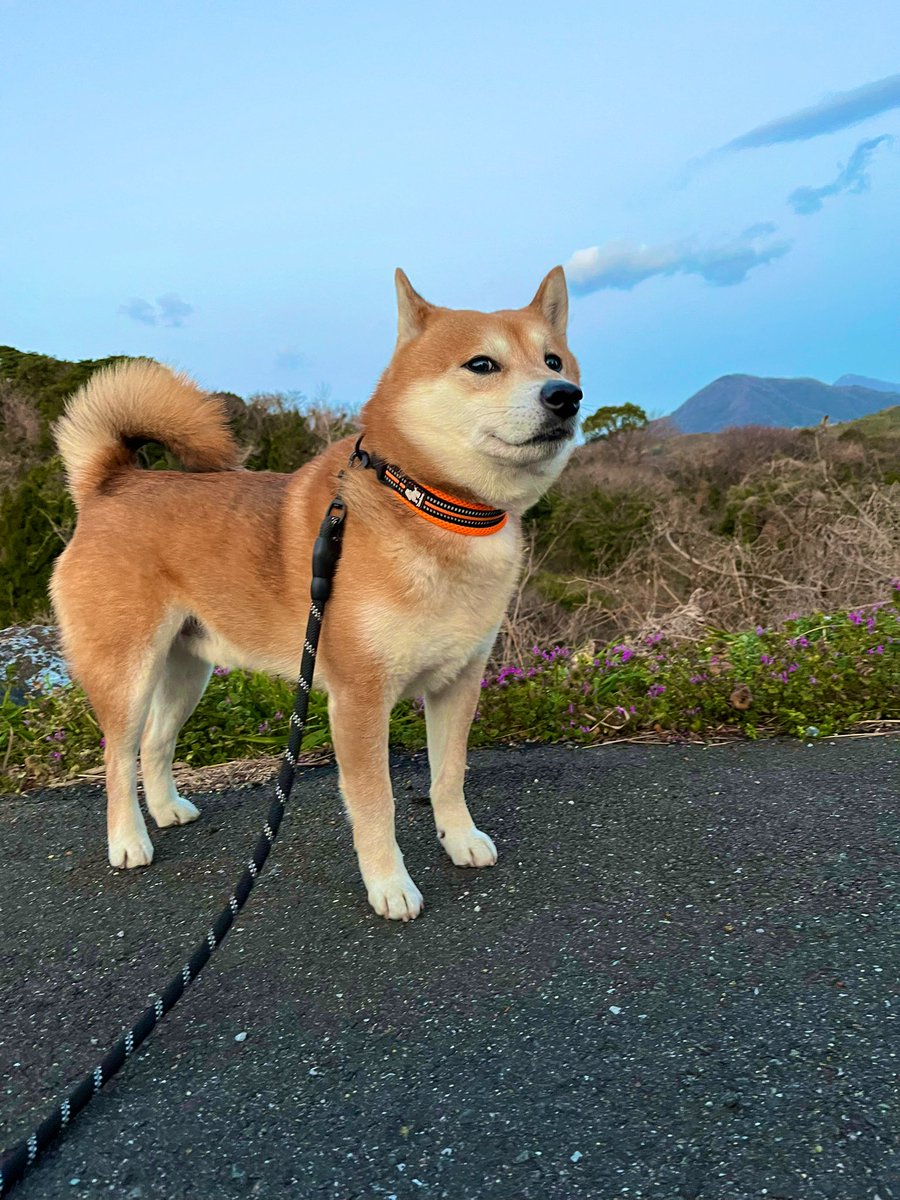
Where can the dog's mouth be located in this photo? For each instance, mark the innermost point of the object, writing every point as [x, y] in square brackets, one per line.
[545, 441]
[559, 433]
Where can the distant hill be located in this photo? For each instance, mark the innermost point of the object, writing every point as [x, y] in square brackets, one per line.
[879, 425]
[863, 381]
[754, 400]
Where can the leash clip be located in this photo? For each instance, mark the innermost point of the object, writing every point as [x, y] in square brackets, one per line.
[368, 462]
[359, 455]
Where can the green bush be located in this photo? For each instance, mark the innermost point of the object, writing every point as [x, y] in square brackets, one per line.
[590, 531]
[36, 519]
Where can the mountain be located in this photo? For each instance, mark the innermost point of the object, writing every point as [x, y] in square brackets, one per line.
[754, 400]
[863, 381]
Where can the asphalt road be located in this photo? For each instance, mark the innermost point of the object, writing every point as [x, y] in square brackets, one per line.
[680, 981]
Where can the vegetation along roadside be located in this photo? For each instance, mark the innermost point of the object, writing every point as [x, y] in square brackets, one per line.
[810, 677]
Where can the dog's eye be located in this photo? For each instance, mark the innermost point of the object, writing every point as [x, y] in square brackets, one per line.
[482, 365]
[553, 361]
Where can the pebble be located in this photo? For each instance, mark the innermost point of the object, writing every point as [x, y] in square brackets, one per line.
[240, 1037]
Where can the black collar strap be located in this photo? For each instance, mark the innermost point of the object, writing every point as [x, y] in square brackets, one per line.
[476, 520]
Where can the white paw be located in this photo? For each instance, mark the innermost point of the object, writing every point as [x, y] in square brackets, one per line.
[133, 850]
[174, 812]
[395, 897]
[468, 847]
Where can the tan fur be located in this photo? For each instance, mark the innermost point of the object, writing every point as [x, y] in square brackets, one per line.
[139, 401]
[170, 572]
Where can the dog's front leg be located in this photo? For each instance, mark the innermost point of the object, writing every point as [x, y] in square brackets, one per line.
[448, 718]
[359, 728]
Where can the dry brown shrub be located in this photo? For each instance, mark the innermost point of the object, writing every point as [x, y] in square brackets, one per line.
[815, 527]
[20, 433]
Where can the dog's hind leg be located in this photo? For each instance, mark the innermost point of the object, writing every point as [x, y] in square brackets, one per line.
[359, 729]
[118, 661]
[120, 689]
[448, 718]
[181, 684]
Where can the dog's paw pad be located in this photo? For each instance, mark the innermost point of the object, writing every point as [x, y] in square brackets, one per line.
[133, 851]
[469, 848]
[396, 898]
[175, 812]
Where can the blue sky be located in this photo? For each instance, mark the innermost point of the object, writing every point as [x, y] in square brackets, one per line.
[228, 186]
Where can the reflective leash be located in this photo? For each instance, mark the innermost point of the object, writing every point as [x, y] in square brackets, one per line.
[18, 1158]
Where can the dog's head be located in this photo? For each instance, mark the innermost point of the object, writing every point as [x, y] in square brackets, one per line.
[487, 402]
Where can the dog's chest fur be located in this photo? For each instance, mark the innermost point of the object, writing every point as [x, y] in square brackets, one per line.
[439, 619]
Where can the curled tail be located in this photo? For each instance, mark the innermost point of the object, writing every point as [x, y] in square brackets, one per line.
[125, 405]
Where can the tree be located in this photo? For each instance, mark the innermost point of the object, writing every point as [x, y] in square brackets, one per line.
[613, 419]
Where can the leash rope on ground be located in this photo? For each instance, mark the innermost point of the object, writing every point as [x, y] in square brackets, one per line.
[18, 1158]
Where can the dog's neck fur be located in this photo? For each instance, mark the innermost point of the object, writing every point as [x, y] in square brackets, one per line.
[392, 446]
[496, 484]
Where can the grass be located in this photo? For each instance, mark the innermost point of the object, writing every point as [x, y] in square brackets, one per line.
[813, 676]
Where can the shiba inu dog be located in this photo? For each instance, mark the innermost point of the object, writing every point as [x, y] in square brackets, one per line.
[169, 572]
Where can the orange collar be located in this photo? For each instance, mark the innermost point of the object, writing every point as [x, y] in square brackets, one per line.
[474, 520]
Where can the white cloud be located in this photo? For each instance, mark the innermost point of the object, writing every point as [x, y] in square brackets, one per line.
[168, 310]
[838, 111]
[623, 265]
[851, 178]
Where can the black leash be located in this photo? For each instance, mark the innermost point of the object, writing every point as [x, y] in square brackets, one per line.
[18, 1158]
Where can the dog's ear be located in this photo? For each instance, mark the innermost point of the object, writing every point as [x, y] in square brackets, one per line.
[552, 300]
[412, 310]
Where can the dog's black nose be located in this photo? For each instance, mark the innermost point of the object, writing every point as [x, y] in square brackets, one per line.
[561, 397]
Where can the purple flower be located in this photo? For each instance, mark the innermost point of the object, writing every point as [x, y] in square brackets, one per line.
[56, 756]
[263, 727]
[698, 679]
[759, 631]
[103, 743]
[855, 617]
[766, 660]
[222, 671]
[656, 689]
[507, 673]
